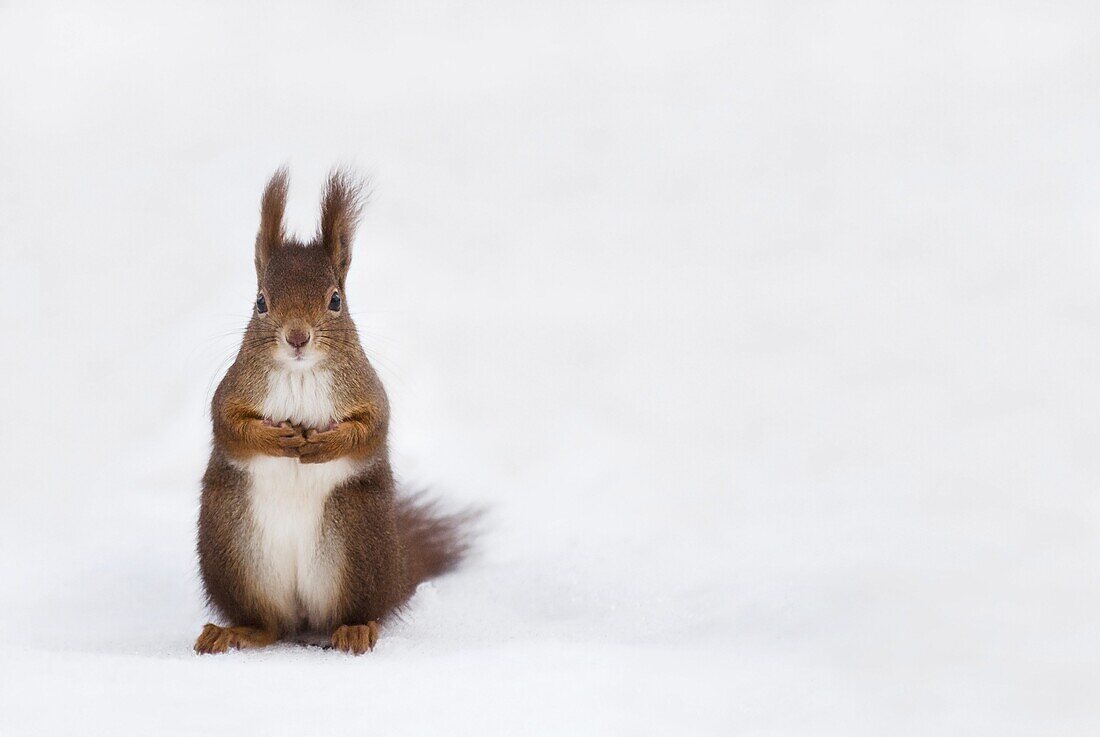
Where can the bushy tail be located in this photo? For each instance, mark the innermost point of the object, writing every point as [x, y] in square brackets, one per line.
[435, 542]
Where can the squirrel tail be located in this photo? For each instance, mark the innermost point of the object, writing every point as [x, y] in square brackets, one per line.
[435, 542]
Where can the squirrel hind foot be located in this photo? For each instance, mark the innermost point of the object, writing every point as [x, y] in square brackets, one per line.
[356, 638]
[215, 639]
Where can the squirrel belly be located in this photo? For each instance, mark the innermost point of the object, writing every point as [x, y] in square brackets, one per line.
[297, 559]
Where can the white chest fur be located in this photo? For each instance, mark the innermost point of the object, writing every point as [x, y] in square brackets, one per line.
[297, 558]
[303, 396]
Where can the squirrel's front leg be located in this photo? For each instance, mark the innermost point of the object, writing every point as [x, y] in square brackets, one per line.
[244, 433]
[360, 435]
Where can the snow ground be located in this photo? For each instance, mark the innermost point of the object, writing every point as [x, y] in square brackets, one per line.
[768, 332]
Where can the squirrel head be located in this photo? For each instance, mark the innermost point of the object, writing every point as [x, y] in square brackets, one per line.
[301, 313]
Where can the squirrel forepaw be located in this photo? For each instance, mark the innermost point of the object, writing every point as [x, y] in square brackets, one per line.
[321, 446]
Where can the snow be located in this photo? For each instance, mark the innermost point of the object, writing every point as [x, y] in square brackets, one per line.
[766, 332]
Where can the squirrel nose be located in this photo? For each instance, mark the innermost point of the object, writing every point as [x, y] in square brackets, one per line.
[297, 338]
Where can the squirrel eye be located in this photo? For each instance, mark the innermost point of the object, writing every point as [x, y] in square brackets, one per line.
[261, 304]
[334, 303]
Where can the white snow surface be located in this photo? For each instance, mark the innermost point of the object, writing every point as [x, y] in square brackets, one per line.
[767, 333]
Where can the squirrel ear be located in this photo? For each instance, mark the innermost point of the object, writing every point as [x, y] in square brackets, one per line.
[272, 206]
[341, 206]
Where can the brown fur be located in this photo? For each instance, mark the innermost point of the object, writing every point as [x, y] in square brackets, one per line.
[387, 544]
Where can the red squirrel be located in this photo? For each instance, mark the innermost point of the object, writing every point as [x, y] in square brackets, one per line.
[302, 531]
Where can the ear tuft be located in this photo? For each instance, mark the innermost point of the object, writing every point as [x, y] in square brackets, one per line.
[341, 206]
[272, 207]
